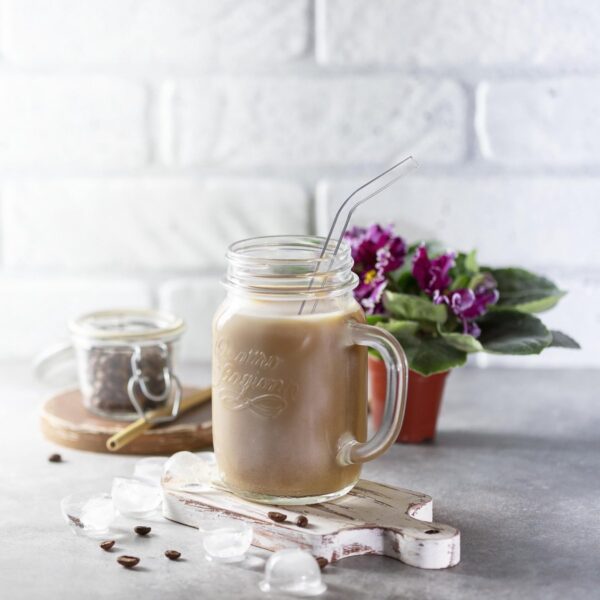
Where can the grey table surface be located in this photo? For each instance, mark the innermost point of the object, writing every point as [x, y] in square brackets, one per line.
[516, 467]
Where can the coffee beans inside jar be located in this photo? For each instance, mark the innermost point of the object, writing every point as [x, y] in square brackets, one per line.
[109, 370]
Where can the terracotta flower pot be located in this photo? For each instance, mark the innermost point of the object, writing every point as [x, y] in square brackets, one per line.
[422, 403]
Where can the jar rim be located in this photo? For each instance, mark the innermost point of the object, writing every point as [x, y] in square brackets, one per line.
[149, 324]
[238, 251]
[290, 267]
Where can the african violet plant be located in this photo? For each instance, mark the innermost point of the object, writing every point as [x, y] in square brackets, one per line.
[442, 306]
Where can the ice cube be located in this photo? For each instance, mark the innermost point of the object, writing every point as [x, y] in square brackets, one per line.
[189, 472]
[224, 539]
[293, 571]
[90, 514]
[98, 513]
[150, 469]
[134, 498]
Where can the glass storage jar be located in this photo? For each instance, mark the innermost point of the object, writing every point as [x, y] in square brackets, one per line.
[126, 360]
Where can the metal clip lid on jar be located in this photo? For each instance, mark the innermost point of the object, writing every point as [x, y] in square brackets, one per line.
[125, 361]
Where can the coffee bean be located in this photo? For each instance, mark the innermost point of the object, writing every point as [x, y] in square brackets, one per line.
[277, 516]
[128, 561]
[142, 529]
[432, 531]
[172, 554]
[302, 521]
[323, 562]
[76, 521]
[55, 458]
[107, 544]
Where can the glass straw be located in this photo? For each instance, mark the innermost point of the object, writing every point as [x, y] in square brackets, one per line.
[367, 190]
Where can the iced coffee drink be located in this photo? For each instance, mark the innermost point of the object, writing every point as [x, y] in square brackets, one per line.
[289, 388]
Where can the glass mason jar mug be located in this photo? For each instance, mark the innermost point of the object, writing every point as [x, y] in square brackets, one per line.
[290, 373]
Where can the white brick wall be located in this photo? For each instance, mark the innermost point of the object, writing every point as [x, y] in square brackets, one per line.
[136, 224]
[465, 33]
[195, 300]
[530, 221]
[155, 32]
[558, 122]
[307, 122]
[35, 310]
[138, 139]
[82, 122]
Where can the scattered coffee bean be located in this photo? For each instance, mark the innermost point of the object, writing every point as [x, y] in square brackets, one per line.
[142, 529]
[107, 544]
[56, 458]
[432, 531]
[277, 516]
[128, 561]
[323, 562]
[76, 521]
[172, 554]
[302, 521]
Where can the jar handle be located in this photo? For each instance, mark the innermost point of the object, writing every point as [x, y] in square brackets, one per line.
[351, 450]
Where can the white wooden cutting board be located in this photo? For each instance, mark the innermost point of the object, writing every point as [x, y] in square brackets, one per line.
[371, 519]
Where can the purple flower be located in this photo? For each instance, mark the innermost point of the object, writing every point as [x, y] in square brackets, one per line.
[376, 247]
[370, 295]
[376, 251]
[432, 275]
[486, 294]
[467, 304]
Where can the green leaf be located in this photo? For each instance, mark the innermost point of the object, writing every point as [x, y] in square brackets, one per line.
[374, 319]
[403, 281]
[414, 308]
[397, 328]
[466, 263]
[471, 262]
[462, 281]
[428, 355]
[513, 332]
[525, 291]
[562, 340]
[462, 341]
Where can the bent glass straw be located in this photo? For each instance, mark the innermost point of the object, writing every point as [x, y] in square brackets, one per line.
[395, 172]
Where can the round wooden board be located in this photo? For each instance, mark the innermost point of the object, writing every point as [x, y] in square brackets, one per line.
[65, 421]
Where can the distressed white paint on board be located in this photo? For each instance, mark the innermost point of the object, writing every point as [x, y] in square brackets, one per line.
[371, 519]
